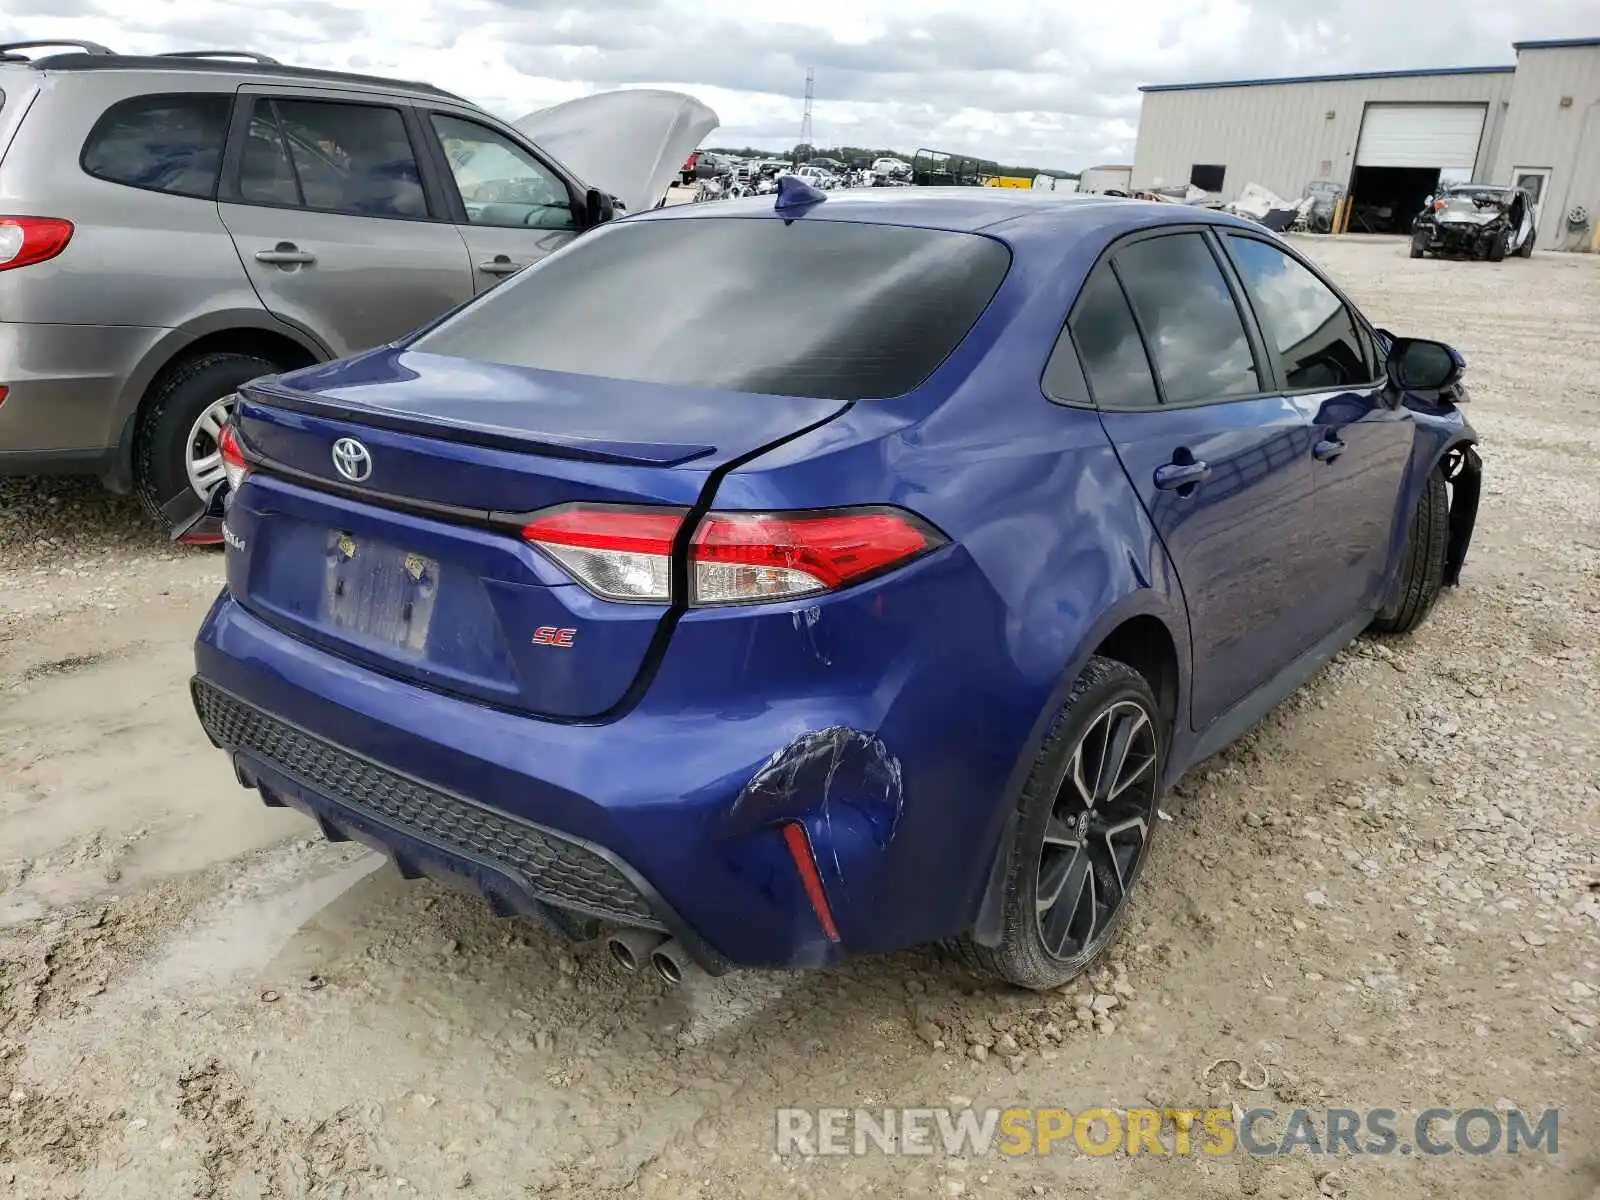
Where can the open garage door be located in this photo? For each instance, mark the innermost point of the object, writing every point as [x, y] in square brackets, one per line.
[1403, 151]
[1441, 136]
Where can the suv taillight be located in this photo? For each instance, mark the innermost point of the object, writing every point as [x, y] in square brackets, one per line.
[623, 553]
[28, 240]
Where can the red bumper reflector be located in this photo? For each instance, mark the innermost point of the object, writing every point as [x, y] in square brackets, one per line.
[794, 836]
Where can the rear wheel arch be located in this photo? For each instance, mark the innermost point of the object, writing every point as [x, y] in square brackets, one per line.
[288, 350]
[1145, 644]
[1143, 633]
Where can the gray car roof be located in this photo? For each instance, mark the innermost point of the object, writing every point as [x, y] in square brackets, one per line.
[78, 62]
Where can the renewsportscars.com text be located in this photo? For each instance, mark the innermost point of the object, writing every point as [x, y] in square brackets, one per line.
[1260, 1132]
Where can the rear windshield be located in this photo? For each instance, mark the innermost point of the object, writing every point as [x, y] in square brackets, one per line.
[826, 309]
[1470, 202]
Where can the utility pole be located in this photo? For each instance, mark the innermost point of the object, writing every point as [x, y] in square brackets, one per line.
[806, 133]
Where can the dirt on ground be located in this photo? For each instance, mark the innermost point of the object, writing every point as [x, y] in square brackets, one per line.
[1388, 895]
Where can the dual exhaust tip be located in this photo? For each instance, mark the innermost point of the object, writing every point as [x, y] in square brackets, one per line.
[633, 948]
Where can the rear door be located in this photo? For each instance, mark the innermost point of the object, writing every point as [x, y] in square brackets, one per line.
[510, 207]
[1325, 361]
[324, 198]
[1220, 461]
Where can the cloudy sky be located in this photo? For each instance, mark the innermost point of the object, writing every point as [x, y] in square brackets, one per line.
[1043, 82]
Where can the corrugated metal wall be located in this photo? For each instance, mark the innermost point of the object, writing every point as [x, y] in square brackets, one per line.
[1541, 133]
[1281, 135]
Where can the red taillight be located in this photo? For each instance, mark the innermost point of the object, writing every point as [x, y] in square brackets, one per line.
[805, 862]
[622, 553]
[740, 557]
[28, 240]
[617, 553]
[234, 465]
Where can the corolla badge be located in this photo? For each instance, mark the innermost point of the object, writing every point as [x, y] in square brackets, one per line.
[352, 460]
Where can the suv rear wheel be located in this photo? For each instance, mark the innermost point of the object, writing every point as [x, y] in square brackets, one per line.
[176, 444]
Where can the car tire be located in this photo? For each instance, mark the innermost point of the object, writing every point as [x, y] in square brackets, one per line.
[168, 423]
[1108, 698]
[1422, 567]
[1418, 248]
[1498, 247]
[1526, 249]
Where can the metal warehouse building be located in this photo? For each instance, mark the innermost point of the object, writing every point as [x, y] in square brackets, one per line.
[1391, 137]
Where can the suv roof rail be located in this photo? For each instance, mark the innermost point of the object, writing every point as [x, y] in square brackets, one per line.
[8, 49]
[251, 55]
[94, 61]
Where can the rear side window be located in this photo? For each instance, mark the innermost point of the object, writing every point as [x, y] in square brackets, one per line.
[1304, 321]
[331, 157]
[1109, 347]
[827, 309]
[170, 143]
[1196, 335]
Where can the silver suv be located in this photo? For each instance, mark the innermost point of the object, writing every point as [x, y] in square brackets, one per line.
[173, 226]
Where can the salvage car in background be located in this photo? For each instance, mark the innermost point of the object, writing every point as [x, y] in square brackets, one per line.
[171, 226]
[1475, 220]
[868, 593]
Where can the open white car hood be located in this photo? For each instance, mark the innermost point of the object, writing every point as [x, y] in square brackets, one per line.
[629, 143]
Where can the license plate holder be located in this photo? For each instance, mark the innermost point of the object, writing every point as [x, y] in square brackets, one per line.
[379, 592]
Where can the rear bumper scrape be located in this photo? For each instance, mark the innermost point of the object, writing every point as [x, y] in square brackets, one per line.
[846, 788]
[1464, 473]
[519, 868]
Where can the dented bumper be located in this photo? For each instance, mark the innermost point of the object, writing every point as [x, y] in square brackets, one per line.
[650, 821]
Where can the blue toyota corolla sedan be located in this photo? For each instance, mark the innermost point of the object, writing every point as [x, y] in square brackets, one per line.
[763, 583]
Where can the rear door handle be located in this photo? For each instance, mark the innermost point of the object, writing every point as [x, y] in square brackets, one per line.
[286, 254]
[499, 265]
[1328, 449]
[1172, 476]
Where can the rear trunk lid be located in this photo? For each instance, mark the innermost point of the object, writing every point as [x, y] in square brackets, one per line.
[410, 562]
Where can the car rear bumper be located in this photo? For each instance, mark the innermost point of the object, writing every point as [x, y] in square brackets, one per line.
[656, 820]
[64, 384]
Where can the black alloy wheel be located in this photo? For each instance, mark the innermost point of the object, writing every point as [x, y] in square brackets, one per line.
[1095, 837]
[1080, 833]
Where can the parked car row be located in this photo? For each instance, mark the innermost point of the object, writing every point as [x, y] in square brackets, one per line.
[734, 176]
[173, 226]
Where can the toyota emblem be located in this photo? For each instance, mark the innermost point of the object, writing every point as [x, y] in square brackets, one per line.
[351, 460]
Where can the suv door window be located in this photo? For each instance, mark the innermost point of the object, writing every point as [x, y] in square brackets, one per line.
[1108, 345]
[1190, 321]
[1303, 320]
[331, 157]
[168, 143]
[501, 183]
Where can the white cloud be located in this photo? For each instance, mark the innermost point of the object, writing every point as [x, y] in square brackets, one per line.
[1024, 81]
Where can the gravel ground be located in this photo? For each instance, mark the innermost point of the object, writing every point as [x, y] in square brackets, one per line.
[1387, 895]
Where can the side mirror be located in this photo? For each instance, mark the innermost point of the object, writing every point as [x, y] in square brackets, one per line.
[1417, 365]
[598, 208]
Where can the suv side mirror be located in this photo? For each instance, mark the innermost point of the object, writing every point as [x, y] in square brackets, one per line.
[598, 208]
[1418, 365]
